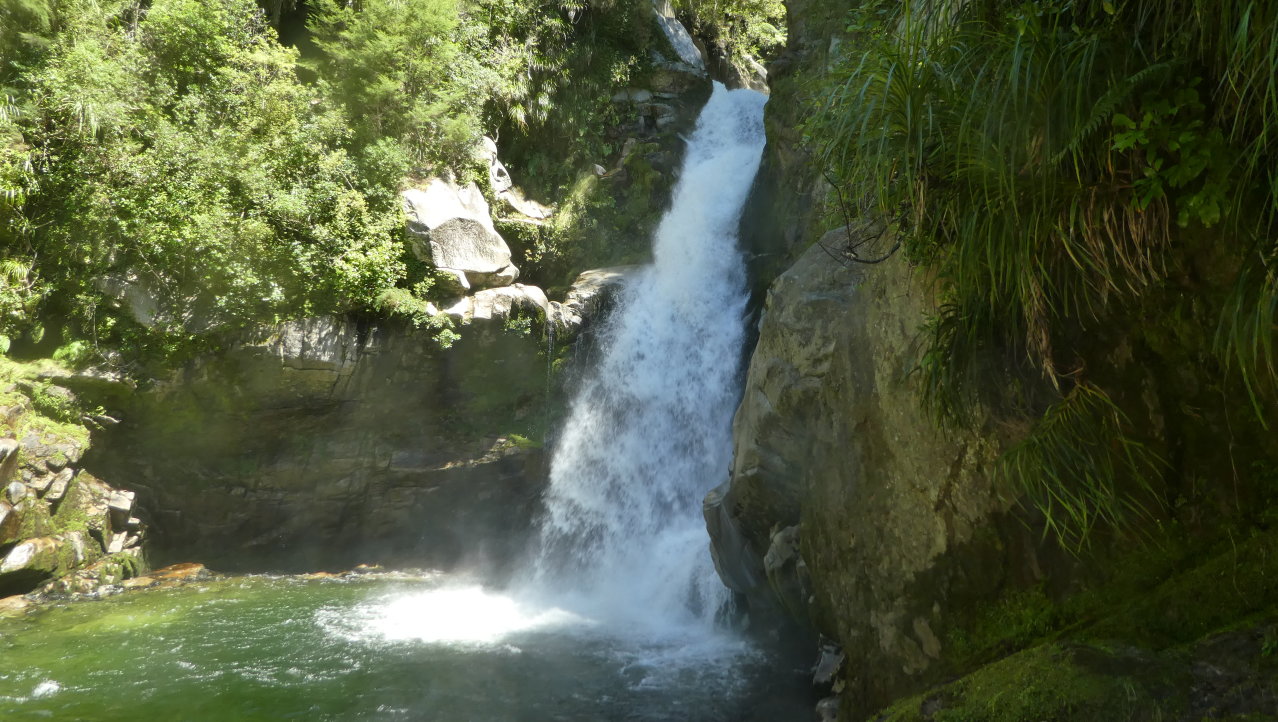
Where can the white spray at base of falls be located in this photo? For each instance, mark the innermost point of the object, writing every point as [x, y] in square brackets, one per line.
[649, 433]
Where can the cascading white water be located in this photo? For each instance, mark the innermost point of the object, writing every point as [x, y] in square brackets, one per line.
[650, 431]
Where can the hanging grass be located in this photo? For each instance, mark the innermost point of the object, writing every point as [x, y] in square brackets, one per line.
[1080, 469]
[1044, 161]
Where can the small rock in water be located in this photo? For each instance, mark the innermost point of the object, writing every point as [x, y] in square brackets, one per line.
[14, 605]
[185, 572]
[828, 663]
[827, 710]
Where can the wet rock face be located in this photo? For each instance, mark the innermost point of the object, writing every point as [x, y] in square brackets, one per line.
[830, 442]
[324, 442]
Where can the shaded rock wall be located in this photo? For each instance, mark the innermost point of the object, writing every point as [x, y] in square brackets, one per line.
[326, 442]
[899, 530]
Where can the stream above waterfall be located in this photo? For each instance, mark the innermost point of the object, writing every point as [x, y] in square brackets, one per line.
[382, 647]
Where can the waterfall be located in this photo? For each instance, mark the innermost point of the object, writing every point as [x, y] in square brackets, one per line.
[649, 432]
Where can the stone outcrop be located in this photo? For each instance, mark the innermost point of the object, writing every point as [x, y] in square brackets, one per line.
[588, 297]
[500, 304]
[673, 90]
[504, 188]
[56, 520]
[748, 73]
[897, 524]
[677, 35]
[498, 177]
[451, 227]
[834, 458]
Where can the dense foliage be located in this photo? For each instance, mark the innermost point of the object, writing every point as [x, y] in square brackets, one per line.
[170, 169]
[1064, 168]
[743, 28]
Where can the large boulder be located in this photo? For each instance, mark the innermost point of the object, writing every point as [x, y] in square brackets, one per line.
[833, 452]
[28, 564]
[451, 228]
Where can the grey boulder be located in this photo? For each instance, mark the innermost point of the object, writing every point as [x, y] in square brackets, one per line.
[451, 227]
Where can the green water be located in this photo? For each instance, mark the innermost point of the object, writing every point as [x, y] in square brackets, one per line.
[260, 648]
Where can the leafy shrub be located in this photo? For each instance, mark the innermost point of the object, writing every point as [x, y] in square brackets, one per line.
[189, 181]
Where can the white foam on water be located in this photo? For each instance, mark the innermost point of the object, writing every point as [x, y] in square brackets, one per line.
[451, 615]
[47, 688]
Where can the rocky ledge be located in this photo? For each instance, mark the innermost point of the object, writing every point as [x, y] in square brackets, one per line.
[60, 527]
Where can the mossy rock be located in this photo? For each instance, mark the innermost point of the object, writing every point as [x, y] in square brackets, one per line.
[85, 506]
[1238, 583]
[108, 570]
[29, 563]
[37, 409]
[1056, 682]
[1173, 635]
[33, 520]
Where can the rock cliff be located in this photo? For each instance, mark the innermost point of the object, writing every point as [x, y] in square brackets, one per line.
[850, 508]
[326, 442]
[831, 446]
